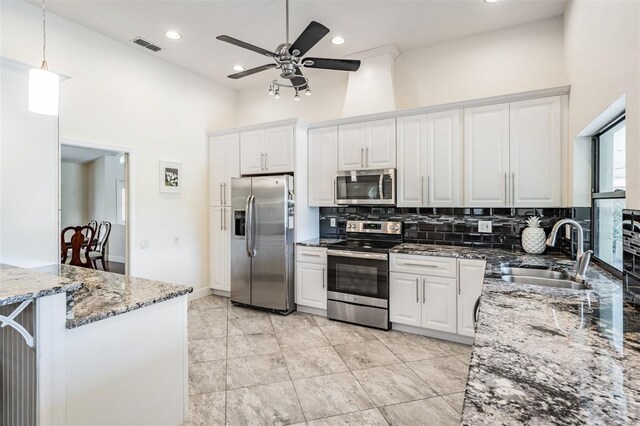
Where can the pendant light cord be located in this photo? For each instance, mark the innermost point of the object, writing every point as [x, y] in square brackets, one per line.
[44, 37]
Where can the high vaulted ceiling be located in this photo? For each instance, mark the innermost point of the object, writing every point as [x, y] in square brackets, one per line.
[364, 24]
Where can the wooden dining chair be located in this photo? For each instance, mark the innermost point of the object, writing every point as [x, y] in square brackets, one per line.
[75, 246]
[99, 252]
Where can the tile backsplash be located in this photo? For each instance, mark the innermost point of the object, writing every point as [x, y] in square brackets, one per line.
[459, 226]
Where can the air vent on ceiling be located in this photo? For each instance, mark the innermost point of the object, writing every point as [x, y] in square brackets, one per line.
[144, 43]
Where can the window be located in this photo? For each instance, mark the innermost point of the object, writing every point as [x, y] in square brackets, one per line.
[608, 192]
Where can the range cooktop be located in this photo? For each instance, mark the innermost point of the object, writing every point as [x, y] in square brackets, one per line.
[362, 245]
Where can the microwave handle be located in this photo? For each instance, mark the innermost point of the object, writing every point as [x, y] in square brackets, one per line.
[380, 187]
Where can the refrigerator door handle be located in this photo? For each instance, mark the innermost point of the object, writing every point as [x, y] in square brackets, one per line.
[253, 226]
[248, 224]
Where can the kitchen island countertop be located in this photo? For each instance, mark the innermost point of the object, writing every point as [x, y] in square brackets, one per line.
[106, 294]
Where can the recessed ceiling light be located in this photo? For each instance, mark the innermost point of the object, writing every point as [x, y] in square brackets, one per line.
[237, 68]
[339, 40]
[173, 35]
[490, 1]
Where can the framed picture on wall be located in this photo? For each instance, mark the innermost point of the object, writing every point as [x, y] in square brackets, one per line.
[170, 177]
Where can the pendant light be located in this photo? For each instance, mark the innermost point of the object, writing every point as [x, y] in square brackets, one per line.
[44, 85]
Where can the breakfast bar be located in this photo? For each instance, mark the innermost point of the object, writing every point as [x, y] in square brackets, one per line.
[92, 336]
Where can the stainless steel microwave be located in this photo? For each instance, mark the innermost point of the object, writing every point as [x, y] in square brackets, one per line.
[366, 187]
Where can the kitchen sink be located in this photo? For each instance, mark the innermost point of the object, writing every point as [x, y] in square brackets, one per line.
[542, 277]
[539, 273]
[546, 282]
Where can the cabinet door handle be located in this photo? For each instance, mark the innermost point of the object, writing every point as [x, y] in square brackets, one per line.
[506, 191]
[422, 190]
[367, 159]
[417, 296]
[262, 161]
[221, 215]
[513, 188]
[225, 194]
[221, 193]
[224, 219]
[323, 284]
[424, 291]
[429, 190]
[266, 161]
[361, 157]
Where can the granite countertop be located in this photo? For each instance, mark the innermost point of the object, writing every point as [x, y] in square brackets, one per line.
[319, 242]
[105, 294]
[20, 284]
[546, 355]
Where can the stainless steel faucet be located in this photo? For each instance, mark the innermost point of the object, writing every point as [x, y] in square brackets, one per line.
[582, 258]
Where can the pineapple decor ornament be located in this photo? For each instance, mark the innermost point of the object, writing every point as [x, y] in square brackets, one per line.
[533, 237]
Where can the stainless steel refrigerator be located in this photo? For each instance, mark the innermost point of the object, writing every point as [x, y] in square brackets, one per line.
[262, 257]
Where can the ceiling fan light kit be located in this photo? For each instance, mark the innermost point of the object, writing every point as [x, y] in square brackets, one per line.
[288, 58]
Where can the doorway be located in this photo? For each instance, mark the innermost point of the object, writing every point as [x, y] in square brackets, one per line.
[94, 192]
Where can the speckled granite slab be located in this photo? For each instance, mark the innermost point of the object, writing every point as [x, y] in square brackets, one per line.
[106, 294]
[19, 284]
[545, 355]
[319, 242]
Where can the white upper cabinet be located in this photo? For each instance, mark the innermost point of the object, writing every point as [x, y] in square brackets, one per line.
[486, 156]
[370, 145]
[322, 166]
[443, 159]
[267, 151]
[536, 153]
[380, 151]
[279, 150]
[351, 146]
[252, 152]
[429, 160]
[224, 164]
[412, 159]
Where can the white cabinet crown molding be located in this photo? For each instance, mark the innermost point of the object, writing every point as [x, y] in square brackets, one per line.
[298, 122]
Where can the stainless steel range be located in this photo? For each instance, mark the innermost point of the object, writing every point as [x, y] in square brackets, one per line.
[358, 273]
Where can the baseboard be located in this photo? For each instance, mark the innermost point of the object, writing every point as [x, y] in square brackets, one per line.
[222, 293]
[312, 311]
[199, 292]
[119, 259]
[432, 333]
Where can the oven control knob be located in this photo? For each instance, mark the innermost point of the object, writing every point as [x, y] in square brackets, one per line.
[395, 227]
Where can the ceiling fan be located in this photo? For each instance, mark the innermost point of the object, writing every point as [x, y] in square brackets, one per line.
[288, 57]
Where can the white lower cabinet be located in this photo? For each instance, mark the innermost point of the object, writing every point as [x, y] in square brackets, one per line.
[219, 248]
[435, 293]
[405, 303]
[311, 277]
[470, 278]
[439, 304]
[423, 301]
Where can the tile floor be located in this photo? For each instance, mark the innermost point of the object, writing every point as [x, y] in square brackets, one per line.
[250, 367]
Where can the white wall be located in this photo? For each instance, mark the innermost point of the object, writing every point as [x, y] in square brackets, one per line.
[518, 59]
[74, 206]
[28, 178]
[325, 103]
[119, 96]
[602, 44]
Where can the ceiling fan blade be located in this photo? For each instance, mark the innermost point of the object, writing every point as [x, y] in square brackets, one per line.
[245, 45]
[332, 64]
[251, 71]
[299, 82]
[309, 37]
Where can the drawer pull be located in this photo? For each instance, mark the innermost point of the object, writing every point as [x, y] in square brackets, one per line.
[420, 264]
[310, 254]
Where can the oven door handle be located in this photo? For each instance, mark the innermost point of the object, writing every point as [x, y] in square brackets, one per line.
[357, 254]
